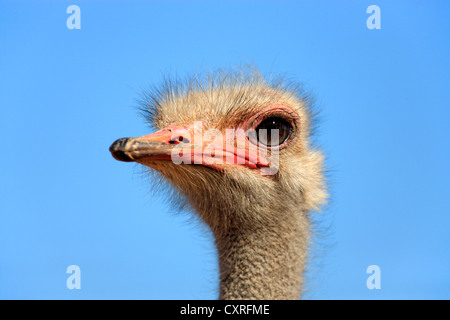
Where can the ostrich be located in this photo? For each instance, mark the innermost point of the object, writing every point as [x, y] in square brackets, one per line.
[236, 147]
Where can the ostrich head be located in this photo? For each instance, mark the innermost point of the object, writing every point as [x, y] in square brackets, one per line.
[237, 147]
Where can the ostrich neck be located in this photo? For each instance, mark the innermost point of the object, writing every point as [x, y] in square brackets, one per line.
[264, 260]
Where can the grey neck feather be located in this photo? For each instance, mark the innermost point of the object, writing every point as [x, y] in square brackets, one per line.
[264, 262]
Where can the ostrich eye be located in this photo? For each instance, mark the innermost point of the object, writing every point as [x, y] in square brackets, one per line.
[266, 136]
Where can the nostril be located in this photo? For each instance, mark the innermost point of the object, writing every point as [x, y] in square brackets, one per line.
[178, 139]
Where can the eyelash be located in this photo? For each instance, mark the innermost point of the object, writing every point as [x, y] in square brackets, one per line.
[273, 114]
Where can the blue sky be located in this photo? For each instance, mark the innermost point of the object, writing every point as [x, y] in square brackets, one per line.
[66, 95]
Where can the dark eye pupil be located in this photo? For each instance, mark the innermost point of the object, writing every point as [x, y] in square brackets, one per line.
[273, 138]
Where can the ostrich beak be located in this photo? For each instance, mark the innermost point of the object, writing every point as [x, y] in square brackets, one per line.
[157, 146]
[175, 144]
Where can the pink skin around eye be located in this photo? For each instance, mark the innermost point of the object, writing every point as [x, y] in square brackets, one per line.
[272, 110]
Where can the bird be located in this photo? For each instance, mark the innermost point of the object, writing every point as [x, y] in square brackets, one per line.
[236, 147]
